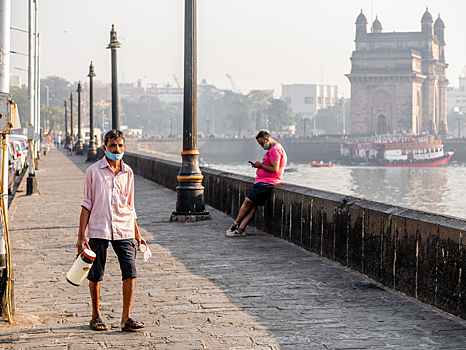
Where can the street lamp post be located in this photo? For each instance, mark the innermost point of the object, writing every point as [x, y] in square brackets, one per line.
[71, 118]
[190, 192]
[45, 119]
[66, 117]
[79, 144]
[91, 150]
[113, 46]
[31, 180]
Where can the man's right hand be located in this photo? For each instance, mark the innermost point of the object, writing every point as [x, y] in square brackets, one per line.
[80, 245]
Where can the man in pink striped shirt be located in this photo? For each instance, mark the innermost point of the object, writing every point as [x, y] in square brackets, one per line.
[108, 212]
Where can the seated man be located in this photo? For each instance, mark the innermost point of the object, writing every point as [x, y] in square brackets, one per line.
[269, 173]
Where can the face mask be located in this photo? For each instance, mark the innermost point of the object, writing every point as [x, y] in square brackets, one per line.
[114, 156]
[266, 145]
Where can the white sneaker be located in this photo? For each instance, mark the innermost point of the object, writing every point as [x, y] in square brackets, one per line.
[237, 233]
[232, 228]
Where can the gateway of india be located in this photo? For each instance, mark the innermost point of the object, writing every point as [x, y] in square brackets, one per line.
[398, 80]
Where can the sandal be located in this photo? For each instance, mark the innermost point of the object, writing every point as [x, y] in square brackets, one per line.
[132, 325]
[97, 324]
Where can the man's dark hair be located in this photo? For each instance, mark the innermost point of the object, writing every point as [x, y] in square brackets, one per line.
[113, 134]
[262, 134]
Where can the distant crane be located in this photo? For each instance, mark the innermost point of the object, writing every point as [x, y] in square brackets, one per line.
[235, 89]
[177, 81]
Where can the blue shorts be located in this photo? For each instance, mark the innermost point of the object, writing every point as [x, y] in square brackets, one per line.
[125, 250]
[259, 193]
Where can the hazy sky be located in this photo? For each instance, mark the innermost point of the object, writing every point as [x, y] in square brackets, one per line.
[260, 43]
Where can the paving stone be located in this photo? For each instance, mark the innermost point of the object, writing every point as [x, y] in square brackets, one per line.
[200, 289]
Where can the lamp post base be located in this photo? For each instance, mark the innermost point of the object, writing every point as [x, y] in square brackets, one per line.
[79, 147]
[91, 153]
[91, 157]
[190, 217]
[31, 185]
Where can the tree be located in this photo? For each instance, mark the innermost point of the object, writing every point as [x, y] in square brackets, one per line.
[210, 112]
[280, 114]
[260, 102]
[53, 117]
[59, 88]
[168, 115]
[330, 119]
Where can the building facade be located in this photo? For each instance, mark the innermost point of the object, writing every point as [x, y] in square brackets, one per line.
[307, 99]
[398, 80]
[456, 98]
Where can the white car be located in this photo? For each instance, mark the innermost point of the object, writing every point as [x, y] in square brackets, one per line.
[24, 148]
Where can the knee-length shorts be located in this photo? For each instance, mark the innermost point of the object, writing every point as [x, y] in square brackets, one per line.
[125, 250]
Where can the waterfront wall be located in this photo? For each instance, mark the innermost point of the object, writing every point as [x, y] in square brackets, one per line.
[418, 253]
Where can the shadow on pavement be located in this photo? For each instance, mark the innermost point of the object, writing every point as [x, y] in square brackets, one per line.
[303, 300]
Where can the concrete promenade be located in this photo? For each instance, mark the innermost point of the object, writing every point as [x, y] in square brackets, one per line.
[200, 290]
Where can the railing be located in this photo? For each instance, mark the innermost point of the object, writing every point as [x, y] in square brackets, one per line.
[418, 253]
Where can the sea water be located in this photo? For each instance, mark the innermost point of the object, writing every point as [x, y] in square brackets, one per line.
[440, 190]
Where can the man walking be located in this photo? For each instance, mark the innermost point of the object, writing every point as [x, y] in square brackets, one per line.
[69, 145]
[58, 139]
[269, 173]
[108, 211]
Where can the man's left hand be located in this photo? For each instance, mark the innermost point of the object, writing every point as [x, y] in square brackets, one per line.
[139, 239]
[256, 164]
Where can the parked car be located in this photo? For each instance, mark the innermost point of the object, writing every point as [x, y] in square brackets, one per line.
[20, 157]
[11, 167]
[24, 147]
[21, 152]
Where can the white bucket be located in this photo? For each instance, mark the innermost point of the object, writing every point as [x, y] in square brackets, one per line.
[81, 267]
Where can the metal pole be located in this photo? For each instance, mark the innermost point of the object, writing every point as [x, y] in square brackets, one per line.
[31, 181]
[5, 13]
[71, 117]
[190, 192]
[79, 144]
[38, 86]
[113, 46]
[66, 117]
[91, 150]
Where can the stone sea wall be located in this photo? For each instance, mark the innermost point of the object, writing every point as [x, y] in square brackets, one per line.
[417, 253]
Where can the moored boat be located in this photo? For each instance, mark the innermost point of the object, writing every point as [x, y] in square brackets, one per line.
[291, 169]
[396, 150]
[321, 164]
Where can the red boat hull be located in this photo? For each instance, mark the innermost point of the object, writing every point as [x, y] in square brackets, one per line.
[441, 162]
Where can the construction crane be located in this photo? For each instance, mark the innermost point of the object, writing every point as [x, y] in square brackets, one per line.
[235, 89]
[177, 81]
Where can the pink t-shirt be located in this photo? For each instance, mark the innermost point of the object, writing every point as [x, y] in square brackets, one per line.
[275, 153]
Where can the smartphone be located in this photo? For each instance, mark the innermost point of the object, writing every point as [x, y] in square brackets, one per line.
[250, 162]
